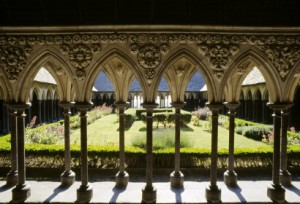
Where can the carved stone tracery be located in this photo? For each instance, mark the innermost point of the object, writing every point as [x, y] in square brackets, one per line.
[219, 56]
[80, 56]
[13, 60]
[283, 57]
[281, 49]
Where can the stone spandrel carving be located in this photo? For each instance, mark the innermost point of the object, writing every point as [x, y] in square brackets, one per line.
[13, 60]
[283, 57]
[80, 56]
[149, 56]
[218, 56]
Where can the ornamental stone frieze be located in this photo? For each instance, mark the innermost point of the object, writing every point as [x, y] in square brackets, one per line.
[283, 57]
[13, 60]
[149, 56]
[80, 56]
[281, 49]
[218, 56]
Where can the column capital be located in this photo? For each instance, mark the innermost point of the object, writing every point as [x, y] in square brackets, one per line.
[18, 106]
[214, 106]
[121, 104]
[232, 106]
[149, 106]
[66, 104]
[178, 104]
[83, 106]
[279, 106]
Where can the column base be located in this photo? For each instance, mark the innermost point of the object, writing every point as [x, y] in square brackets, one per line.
[230, 178]
[276, 193]
[12, 178]
[122, 179]
[149, 194]
[285, 178]
[176, 179]
[20, 193]
[67, 178]
[84, 193]
[213, 194]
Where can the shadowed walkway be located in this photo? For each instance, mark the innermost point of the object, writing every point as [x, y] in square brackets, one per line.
[193, 192]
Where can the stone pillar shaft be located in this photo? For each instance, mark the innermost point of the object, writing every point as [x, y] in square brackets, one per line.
[149, 192]
[177, 140]
[149, 146]
[13, 173]
[22, 190]
[84, 151]
[21, 147]
[122, 176]
[275, 191]
[85, 191]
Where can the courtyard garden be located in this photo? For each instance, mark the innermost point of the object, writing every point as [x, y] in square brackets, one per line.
[253, 141]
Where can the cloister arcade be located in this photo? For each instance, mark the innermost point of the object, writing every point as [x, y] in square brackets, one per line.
[224, 56]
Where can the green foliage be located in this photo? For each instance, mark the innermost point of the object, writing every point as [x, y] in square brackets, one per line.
[160, 142]
[293, 137]
[139, 112]
[254, 132]
[44, 134]
[202, 113]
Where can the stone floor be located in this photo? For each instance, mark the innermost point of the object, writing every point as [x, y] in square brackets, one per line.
[248, 191]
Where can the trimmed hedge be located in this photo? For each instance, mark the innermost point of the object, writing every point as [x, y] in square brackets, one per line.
[140, 111]
[107, 157]
[254, 132]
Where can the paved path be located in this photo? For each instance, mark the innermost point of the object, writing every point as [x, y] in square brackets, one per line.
[193, 192]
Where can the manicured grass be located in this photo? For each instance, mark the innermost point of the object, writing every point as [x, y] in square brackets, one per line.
[104, 131]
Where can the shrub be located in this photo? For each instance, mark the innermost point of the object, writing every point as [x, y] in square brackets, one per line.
[202, 113]
[160, 142]
[254, 132]
[44, 134]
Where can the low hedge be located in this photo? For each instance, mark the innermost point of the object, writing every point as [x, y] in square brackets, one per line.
[140, 111]
[254, 132]
[107, 157]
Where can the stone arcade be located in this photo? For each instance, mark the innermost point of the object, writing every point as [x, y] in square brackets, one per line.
[75, 55]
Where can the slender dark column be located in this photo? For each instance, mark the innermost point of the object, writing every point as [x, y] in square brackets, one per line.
[285, 176]
[51, 110]
[149, 191]
[12, 176]
[85, 191]
[275, 191]
[177, 177]
[122, 176]
[230, 176]
[68, 176]
[22, 190]
[213, 192]
[39, 116]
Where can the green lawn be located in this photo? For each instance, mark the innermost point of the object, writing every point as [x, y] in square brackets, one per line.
[104, 131]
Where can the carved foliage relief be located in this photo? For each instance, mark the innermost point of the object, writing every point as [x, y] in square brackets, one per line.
[282, 50]
[149, 57]
[13, 60]
[80, 56]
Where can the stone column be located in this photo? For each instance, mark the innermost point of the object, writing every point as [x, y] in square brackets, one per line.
[149, 191]
[275, 191]
[230, 177]
[177, 177]
[22, 190]
[68, 176]
[39, 116]
[122, 176]
[12, 176]
[51, 110]
[85, 191]
[213, 192]
[285, 176]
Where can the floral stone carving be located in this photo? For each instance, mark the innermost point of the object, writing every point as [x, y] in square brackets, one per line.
[218, 56]
[283, 57]
[80, 56]
[13, 60]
